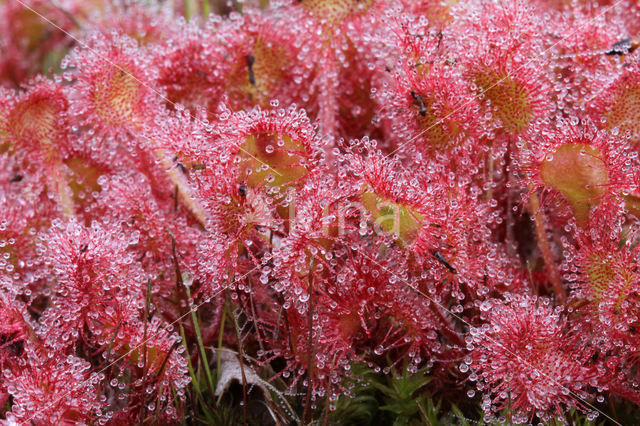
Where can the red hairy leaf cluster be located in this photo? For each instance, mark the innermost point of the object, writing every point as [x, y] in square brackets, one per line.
[439, 187]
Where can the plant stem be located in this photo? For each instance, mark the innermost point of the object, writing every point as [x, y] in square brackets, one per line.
[63, 191]
[147, 307]
[545, 249]
[194, 318]
[306, 416]
[220, 337]
[203, 352]
[244, 377]
[189, 8]
[192, 373]
[206, 9]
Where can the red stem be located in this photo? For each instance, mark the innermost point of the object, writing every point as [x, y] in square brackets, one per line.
[545, 249]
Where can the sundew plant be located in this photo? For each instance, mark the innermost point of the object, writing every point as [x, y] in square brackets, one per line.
[327, 212]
